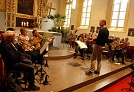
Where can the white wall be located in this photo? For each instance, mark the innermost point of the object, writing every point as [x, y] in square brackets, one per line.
[130, 24]
[47, 25]
[2, 21]
[74, 14]
[98, 12]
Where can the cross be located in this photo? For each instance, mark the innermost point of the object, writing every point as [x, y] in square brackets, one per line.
[47, 8]
[50, 7]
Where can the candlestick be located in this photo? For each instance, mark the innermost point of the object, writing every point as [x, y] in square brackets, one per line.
[24, 24]
[56, 27]
[27, 23]
[21, 23]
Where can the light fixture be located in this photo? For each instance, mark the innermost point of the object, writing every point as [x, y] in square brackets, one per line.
[69, 1]
[73, 2]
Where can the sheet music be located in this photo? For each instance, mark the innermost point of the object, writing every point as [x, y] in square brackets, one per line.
[45, 46]
[81, 44]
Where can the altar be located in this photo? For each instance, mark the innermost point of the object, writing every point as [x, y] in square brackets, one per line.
[57, 36]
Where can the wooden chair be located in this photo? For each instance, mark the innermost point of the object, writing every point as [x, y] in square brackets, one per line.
[2, 71]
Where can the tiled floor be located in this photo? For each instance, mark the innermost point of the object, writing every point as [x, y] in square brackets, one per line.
[68, 72]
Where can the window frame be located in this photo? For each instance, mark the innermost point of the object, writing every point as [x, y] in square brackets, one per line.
[67, 23]
[85, 18]
[119, 11]
[109, 17]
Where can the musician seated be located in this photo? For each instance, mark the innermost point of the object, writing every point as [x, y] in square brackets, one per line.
[36, 41]
[77, 48]
[117, 51]
[27, 48]
[26, 57]
[71, 39]
[124, 46]
[13, 59]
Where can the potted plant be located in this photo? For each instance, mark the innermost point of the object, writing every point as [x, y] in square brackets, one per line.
[58, 20]
[36, 25]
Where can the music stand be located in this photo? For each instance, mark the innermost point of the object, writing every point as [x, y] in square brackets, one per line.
[41, 70]
[83, 46]
[45, 56]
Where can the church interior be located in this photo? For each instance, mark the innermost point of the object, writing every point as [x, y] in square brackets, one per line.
[54, 39]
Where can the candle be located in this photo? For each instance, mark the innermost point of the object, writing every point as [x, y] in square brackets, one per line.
[27, 23]
[24, 24]
[21, 23]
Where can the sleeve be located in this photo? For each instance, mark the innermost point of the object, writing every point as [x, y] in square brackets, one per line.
[9, 54]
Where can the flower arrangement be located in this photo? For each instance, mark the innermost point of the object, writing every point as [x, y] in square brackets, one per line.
[36, 25]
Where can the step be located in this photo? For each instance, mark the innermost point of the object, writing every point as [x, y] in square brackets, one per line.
[104, 82]
[91, 81]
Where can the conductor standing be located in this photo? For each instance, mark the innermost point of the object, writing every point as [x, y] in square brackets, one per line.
[102, 38]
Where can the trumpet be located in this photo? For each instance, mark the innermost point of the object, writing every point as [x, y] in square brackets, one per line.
[26, 45]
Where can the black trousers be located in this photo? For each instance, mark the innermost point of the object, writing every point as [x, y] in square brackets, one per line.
[26, 56]
[118, 54]
[36, 56]
[25, 68]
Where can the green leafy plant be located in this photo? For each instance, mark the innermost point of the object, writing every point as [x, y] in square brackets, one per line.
[58, 19]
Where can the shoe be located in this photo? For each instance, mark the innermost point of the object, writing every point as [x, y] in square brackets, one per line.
[96, 72]
[75, 56]
[39, 62]
[82, 58]
[89, 73]
[124, 63]
[33, 88]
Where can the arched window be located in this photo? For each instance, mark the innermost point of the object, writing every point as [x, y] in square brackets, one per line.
[86, 12]
[68, 14]
[119, 13]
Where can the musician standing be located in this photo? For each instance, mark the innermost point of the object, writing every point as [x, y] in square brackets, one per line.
[102, 38]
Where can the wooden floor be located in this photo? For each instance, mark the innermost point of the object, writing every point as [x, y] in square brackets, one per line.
[69, 74]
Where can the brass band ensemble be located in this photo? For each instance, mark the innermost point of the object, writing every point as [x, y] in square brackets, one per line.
[20, 52]
[114, 45]
[66, 45]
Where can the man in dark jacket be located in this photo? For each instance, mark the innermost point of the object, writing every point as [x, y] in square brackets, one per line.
[13, 59]
[98, 48]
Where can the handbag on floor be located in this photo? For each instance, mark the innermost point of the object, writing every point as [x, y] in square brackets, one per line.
[11, 84]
